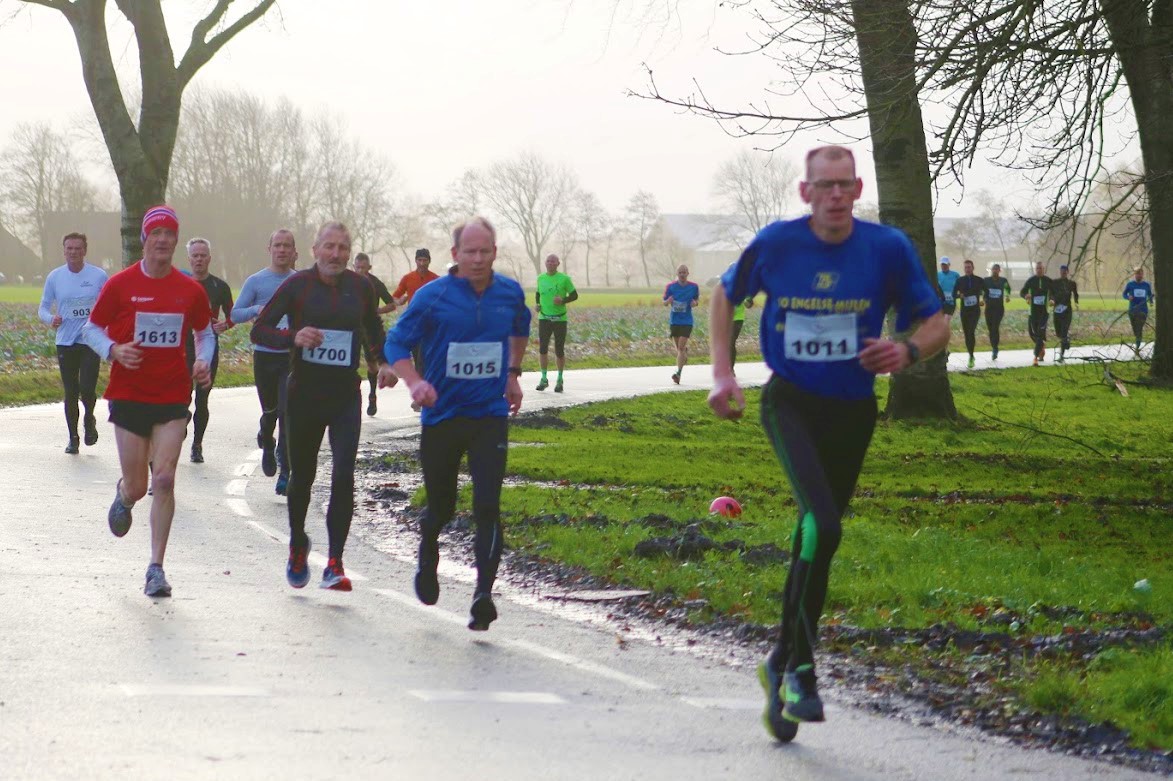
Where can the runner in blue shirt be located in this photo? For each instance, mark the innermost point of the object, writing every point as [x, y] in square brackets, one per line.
[947, 280]
[829, 280]
[473, 325]
[1138, 293]
[681, 296]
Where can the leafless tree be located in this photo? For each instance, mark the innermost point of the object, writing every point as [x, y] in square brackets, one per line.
[141, 151]
[640, 219]
[589, 223]
[355, 185]
[532, 196]
[754, 189]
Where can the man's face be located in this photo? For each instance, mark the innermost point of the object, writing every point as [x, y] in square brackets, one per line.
[944, 267]
[968, 268]
[199, 257]
[362, 266]
[1039, 269]
[552, 265]
[831, 191]
[682, 273]
[476, 253]
[422, 263]
[996, 271]
[282, 250]
[332, 252]
[75, 251]
[160, 244]
[1063, 273]
[1139, 275]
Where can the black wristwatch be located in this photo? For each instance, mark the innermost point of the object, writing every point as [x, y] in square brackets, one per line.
[515, 371]
[913, 353]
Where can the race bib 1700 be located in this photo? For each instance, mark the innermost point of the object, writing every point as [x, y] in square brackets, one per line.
[474, 360]
[158, 329]
[1039, 300]
[76, 308]
[821, 337]
[333, 351]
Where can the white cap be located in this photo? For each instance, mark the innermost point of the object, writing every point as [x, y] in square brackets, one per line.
[944, 261]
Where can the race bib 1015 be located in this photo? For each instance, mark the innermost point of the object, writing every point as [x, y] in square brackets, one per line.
[474, 360]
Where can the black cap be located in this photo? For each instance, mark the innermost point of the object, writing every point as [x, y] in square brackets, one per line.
[423, 253]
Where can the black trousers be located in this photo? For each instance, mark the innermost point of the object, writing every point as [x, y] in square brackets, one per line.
[271, 376]
[1063, 328]
[970, 316]
[821, 444]
[737, 326]
[1137, 318]
[201, 394]
[308, 416]
[1036, 327]
[557, 329]
[78, 365]
[994, 324]
[486, 441]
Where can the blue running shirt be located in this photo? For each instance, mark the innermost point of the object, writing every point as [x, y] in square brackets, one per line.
[823, 300]
[684, 297]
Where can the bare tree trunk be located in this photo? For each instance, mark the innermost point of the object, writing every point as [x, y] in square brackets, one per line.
[586, 265]
[887, 48]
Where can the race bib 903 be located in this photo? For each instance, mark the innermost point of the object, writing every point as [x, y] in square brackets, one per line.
[157, 329]
[474, 360]
[76, 308]
[333, 351]
[821, 338]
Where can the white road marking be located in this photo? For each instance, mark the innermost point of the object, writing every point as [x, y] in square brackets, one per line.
[265, 530]
[255, 455]
[236, 487]
[584, 665]
[722, 703]
[507, 698]
[240, 507]
[189, 690]
[246, 470]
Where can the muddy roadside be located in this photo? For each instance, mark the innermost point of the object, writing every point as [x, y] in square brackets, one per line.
[948, 681]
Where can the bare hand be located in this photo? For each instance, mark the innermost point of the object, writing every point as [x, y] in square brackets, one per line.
[884, 356]
[201, 372]
[423, 394]
[558, 300]
[56, 321]
[513, 394]
[669, 300]
[308, 337]
[220, 326]
[129, 355]
[387, 378]
[726, 399]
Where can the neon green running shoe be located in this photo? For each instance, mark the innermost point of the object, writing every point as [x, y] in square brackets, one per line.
[802, 696]
[781, 729]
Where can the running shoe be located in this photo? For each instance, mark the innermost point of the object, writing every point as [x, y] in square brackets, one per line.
[802, 695]
[297, 570]
[1036, 361]
[1043, 354]
[73, 447]
[334, 577]
[483, 612]
[119, 515]
[268, 454]
[676, 378]
[543, 384]
[91, 431]
[157, 585]
[282, 486]
[197, 454]
[994, 357]
[427, 585]
[971, 361]
[780, 728]
[558, 386]
[372, 407]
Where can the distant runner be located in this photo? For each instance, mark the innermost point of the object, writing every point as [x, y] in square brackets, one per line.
[738, 324]
[555, 291]
[69, 295]
[969, 290]
[1037, 291]
[1138, 293]
[819, 407]
[140, 323]
[270, 366]
[681, 295]
[997, 291]
[470, 387]
[411, 282]
[1064, 295]
[362, 267]
[947, 280]
[199, 257]
[331, 315]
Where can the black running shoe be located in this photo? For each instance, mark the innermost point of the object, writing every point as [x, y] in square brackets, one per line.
[282, 486]
[543, 384]
[483, 612]
[197, 454]
[268, 454]
[558, 386]
[427, 585]
[73, 447]
[119, 516]
[676, 378]
[372, 407]
[91, 431]
[780, 728]
[802, 695]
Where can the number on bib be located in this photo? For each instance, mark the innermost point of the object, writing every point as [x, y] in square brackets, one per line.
[994, 292]
[474, 360]
[76, 308]
[157, 329]
[1140, 293]
[969, 301]
[333, 351]
[679, 306]
[1039, 300]
[1060, 308]
[821, 338]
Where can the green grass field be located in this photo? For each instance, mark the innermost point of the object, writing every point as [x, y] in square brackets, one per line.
[993, 524]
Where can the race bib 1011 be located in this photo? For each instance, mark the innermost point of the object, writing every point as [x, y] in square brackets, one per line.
[821, 338]
[333, 351]
[158, 329]
[76, 308]
[474, 360]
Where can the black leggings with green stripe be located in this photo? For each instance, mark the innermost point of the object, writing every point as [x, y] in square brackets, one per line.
[821, 444]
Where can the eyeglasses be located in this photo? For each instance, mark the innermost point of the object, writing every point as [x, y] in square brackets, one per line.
[827, 185]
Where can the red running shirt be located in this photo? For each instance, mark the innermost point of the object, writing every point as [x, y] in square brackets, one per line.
[159, 314]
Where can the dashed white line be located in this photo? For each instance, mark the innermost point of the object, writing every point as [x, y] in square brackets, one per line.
[240, 507]
[508, 698]
[246, 470]
[236, 487]
[189, 690]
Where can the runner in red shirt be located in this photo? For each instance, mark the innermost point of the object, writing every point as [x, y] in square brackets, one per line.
[408, 285]
[141, 322]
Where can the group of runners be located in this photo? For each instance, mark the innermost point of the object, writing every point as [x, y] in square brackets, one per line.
[828, 280]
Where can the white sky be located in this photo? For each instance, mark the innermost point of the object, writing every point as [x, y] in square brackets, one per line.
[441, 86]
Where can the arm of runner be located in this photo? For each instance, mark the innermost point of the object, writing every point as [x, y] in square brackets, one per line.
[205, 351]
[372, 345]
[265, 331]
[726, 399]
[1075, 293]
[885, 356]
[422, 392]
[226, 306]
[244, 309]
[513, 392]
[571, 296]
[48, 297]
[538, 301]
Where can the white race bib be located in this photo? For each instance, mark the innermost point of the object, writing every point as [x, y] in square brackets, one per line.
[474, 360]
[821, 338]
[679, 306]
[1140, 293]
[1060, 308]
[157, 329]
[333, 351]
[1039, 300]
[969, 301]
[994, 292]
[76, 308]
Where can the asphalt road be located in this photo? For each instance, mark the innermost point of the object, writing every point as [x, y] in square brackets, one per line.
[239, 676]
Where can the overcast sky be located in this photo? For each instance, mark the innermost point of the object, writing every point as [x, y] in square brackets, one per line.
[445, 85]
